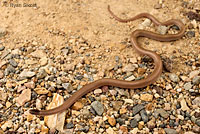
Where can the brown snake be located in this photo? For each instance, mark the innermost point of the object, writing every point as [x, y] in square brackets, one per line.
[122, 83]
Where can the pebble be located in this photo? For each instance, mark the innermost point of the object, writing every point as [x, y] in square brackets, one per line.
[98, 107]
[137, 117]
[180, 117]
[124, 129]
[141, 125]
[68, 87]
[196, 129]
[113, 92]
[190, 34]
[2, 48]
[69, 125]
[188, 86]
[111, 121]
[5, 54]
[167, 107]
[162, 113]
[117, 105]
[146, 97]
[24, 97]
[8, 104]
[184, 106]
[196, 101]
[13, 62]
[133, 123]
[30, 85]
[41, 74]
[110, 131]
[7, 124]
[56, 121]
[151, 124]
[128, 68]
[196, 80]
[193, 74]
[3, 96]
[38, 54]
[162, 29]
[144, 116]
[170, 131]
[173, 77]
[130, 78]
[97, 91]
[141, 71]
[38, 104]
[43, 61]
[146, 23]
[1, 74]
[77, 106]
[2, 32]
[29, 117]
[9, 69]
[134, 131]
[128, 101]
[41, 90]
[198, 122]
[136, 109]
[26, 74]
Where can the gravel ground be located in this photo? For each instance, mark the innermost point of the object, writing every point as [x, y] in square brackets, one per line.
[50, 49]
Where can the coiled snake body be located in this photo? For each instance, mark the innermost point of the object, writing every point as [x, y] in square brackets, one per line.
[122, 83]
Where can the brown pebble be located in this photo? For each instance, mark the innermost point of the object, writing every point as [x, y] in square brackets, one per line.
[77, 106]
[193, 15]
[124, 129]
[167, 64]
[141, 71]
[122, 111]
[159, 90]
[104, 89]
[1, 74]
[111, 121]
[146, 97]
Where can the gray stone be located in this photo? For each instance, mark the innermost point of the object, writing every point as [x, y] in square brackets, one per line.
[2, 32]
[173, 77]
[162, 29]
[170, 131]
[68, 87]
[162, 113]
[137, 117]
[41, 74]
[26, 74]
[69, 125]
[196, 80]
[133, 123]
[144, 116]
[13, 62]
[198, 122]
[191, 34]
[98, 107]
[2, 48]
[137, 108]
[187, 86]
[196, 101]
[5, 53]
[9, 70]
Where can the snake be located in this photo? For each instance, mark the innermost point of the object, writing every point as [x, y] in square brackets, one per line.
[150, 79]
